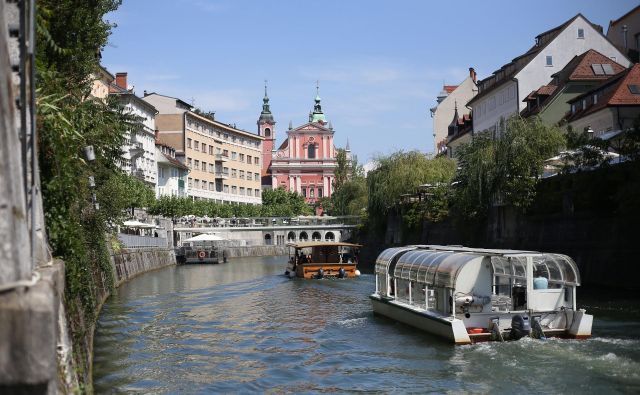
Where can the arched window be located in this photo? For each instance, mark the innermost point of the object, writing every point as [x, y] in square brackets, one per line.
[311, 151]
[329, 236]
[291, 236]
[316, 236]
[304, 236]
[267, 132]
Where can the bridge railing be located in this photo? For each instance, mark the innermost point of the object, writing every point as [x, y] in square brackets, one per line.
[135, 241]
[206, 222]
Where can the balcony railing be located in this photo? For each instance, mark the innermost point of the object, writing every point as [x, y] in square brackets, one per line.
[222, 175]
[221, 158]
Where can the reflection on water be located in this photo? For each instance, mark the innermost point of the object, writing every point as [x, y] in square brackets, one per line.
[243, 327]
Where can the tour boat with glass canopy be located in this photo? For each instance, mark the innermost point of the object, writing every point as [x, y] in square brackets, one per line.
[319, 259]
[469, 294]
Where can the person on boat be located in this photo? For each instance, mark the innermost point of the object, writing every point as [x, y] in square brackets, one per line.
[539, 281]
[309, 258]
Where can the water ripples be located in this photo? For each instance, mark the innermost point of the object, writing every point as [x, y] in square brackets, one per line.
[244, 328]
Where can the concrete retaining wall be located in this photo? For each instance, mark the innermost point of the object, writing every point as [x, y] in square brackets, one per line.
[129, 263]
[239, 252]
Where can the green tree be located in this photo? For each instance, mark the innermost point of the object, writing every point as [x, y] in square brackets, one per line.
[506, 169]
[349, 195]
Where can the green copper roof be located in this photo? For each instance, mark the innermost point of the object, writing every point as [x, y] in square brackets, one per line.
[265, 115]
[317, 114]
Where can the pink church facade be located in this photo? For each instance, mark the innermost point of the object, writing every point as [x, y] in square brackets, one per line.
[306, 161]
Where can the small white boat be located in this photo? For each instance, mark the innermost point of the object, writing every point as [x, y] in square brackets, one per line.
[468, 295]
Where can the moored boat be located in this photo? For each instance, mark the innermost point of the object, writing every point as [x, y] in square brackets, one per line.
[319, 259]
[204, 248]
[468, 295]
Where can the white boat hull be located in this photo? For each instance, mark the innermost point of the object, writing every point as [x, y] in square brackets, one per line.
[450, 328]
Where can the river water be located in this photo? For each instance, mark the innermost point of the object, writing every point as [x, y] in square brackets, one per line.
[242, 327]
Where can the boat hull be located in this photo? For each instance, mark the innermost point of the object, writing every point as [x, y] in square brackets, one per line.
[448, 328]
[310, 270]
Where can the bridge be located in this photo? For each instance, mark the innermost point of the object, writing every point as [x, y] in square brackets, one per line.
[269, 230]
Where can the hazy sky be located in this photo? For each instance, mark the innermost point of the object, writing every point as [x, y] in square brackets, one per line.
[380, 63]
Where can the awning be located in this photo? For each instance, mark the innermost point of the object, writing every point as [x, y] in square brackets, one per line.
[205, 237]
[137, 224]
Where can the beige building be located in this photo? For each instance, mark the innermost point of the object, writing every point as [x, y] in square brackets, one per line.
[225, 162]
[452, 99]
[624, 33]
[102, 80]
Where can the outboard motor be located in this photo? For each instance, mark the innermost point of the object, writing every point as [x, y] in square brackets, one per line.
[536, 329]
[320, 273]
[342, 273]
[520, 326]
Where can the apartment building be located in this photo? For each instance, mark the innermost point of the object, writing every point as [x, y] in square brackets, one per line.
[501, 95]
[224, 161]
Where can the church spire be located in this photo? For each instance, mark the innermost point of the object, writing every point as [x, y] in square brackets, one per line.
[265, 115]
[317, 115]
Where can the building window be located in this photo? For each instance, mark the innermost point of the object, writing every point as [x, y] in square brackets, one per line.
[267, 132]
[549, 60]
[196, 183]
[226, 188]
[161, 172]
[249, 159]
[190, 182]
[242, 191]
[304, 192]
[204, 166]
[595, 99]
[319, 192]
[311, 151]
[234, 190]
[249, 176]
[311, 190]
[196, 145]
[257, 192]
[204, 148]
[189, 162]
[234, 155]
[188, 143]
[197, 164]
[211, 150]
[212, 186]
[256, 176]
[256, 161]
[241, 157]
[580, 33]
[234, 173]
[225, 153]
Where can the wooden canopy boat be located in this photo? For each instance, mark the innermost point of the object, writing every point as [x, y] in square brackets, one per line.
[318, 259]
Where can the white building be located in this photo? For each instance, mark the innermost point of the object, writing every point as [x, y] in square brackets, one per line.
[451, 97]
[139, 156]
[172, 174]
[501, 95]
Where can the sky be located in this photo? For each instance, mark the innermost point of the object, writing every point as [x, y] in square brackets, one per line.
[380, 64]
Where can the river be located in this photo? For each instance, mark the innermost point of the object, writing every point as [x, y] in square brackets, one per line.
[242, 327]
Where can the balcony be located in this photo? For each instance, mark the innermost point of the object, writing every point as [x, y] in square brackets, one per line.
[222, 175]
[221, 158]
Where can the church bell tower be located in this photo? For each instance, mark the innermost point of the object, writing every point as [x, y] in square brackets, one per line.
[266, 129]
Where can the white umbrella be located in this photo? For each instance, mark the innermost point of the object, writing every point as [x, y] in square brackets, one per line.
[205, 237]
[137, 224]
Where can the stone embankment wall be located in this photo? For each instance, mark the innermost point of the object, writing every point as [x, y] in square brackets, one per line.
[132, 262]
[239, 252]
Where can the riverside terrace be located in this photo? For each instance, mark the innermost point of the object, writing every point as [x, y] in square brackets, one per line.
[268, 230]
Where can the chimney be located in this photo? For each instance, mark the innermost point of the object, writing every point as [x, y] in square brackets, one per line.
[121, 80]
[145, 93]
[472, 74]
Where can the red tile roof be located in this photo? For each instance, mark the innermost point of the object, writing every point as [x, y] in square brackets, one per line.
[449, 88]
[611, 93]
[583, 70]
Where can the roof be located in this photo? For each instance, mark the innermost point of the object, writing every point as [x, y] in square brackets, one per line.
[615, 91]
[449, 88]
[174, 162]
[616, 21]
[313, 244]
[170, 97]
[579, 69]
[118, 91]
[516, 65]
[225, 126]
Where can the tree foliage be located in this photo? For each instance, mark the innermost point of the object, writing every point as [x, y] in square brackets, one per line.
[275, 203]
[349, 195]
[401, 173]
[504, 170]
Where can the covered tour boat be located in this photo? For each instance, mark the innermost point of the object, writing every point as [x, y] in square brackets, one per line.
[204, 248]
[468, 295]
[318, 259]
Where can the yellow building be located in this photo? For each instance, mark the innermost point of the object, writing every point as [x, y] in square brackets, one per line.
[225, 162]
[102, 79]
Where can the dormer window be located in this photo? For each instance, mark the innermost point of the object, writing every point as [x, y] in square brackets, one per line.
[580, 33]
